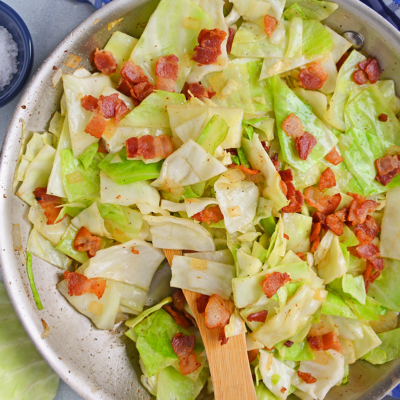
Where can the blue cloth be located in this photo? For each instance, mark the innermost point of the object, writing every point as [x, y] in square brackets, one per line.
[96, 3]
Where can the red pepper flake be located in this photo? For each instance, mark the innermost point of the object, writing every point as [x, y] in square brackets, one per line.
[134, 251]
[286, 236]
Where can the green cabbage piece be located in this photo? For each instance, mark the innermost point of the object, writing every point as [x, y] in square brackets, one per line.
[24, 374]
[87, 156]
[388, 350]
[251, 10]
[310, 9]
[298, 228]
[66, 245]
[296, 352]
[295, 42]
[355, 287]
[173, 28]
[213, 134]
[129, 171]
[286, 102]
[263, 393]
[334, 305]
[121, 45]
[316, 39]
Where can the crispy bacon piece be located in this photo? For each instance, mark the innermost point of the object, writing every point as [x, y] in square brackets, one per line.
[107, 105]
[295, 196]
[209, 48]
[102, 146]
[283, 187]
[305, 144]
[120, 110]
[388, 167]
[358, 211]
[221, 337]
[360, 199]
[78, 284]
[313, 76]
[149, 147]
[319, 217]
[315, 343]
[288, 343]
[273, 282]
[96, 126]
[377, 264]
[167, 70]
[383, 117]
[178, 316]
[197, 90]
[324, 204]
[363, 64]
[260, 316]
[327, 180]
[293, 207]
[183, 346]
[252, 354]
[216, 313]
[124, 87]
[179, 300]
[360, 77]
[373, 71]
[367, 231]
[105, 62]
[133, 73]
[142, 90]
[208, 215]
[85, 241]
[286, 175]
[49, 204]
[368, 251]
[134, 251]
[89, 103]
[275, 161]
[230, 40]
[331, 341]
[293, 126]
[306, 377]
[301, 255]
[201, 302]
[316, 229]
[286, 236]
[335, 221]
[265, 146]
[283, 389]
[334, 157]
[314, 245]
[269, 24]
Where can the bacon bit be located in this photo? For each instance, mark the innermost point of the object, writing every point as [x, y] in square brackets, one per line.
[209, 46]
[327, 180]
[315, 343]
[305, 144]
[293, 126]
[306, 377]
[178, 316]
[107, 105]
[293, 207]
[85, 241]
[49, 204]
[183, 346]
[260, 316]
[316, 229]
[120, 110]
[102, 146]
[269, 24]
[96, 126]
[167, 70]
[133, 73]
[179, 300]
[295, 196]
[190, 318]
[149, 147]
[286, 236]
[216, 313]
[283, 187]
[79, 284]
[105, 62]
[124, 87]
[313, 77]
[252, 354]
[358, 211]
[273, 282]
[343, 59]
[331, 341]
[319, 217]
[283, 390]
[334, 157]
[377, 264]
[275, 161]
[229, 42]
[314, 245]
[388, 167]
[89, 103]
[244, 169]
[383, 117]
[360, 77]
[367, 231]
[208, 215]
[373, 71]
[360, 199]
[221, 337]
[265, 146]
[301, 255]
[288, 343]
[368, 251]
[197, 90]
[201, 302]
[335, 221]
[134, 251]
[324, 204]
[362, 65]
[286, 175]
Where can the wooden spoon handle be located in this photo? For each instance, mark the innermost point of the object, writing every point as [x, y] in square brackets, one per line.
[229, 364]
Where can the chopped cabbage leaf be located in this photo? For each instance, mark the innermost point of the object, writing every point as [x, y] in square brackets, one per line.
[219, 256]
[388, 350]
[213, 134]
[355, 287]
[251, 10]
[312, 9]
[298, 228]
[66, 245]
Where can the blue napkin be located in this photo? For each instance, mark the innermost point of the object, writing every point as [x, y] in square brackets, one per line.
[96, 3]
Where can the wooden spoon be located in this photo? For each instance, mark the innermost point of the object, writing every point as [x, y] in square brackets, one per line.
[229, 364]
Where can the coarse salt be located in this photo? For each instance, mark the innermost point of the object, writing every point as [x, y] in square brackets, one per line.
[8, 57]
